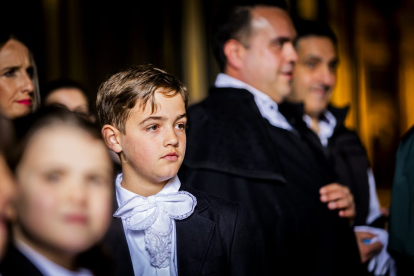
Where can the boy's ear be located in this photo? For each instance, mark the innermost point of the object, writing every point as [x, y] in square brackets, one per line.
[112, 137]
[234, 52]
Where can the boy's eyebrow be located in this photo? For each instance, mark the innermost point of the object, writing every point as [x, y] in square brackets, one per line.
[181, 116]
[162, 118]
[157, 118]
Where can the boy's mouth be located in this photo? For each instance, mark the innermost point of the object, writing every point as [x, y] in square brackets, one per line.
[172, 156]
[76, 219]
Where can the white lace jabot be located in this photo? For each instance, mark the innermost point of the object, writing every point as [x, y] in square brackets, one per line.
[154, 215]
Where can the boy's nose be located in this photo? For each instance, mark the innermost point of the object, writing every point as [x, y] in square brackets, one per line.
[171, 139]
[77, 193]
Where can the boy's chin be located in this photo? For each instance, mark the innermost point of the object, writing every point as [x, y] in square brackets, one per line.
[167, 176]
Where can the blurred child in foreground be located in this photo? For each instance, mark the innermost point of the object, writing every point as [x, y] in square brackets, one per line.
[63, 175]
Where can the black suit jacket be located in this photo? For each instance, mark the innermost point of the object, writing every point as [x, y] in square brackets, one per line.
[16, 264]
[345, 155]
[214, 240]
[234, 153]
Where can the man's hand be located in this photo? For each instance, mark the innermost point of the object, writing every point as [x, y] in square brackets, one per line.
[367, 250]
[339, 197]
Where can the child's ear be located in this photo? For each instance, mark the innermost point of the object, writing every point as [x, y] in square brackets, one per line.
[112, 136]
[234, 52]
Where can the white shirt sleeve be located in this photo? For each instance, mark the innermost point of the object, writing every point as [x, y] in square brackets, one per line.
[374, 206]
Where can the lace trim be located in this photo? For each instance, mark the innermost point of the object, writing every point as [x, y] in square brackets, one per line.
[158, 246]
[186, 215]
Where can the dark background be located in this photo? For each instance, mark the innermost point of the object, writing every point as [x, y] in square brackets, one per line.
[88, 40]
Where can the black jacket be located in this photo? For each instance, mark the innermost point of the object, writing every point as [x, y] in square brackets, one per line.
[214, 240]
[401, 227]
[234, 153]
[16, 264]
[345, 155]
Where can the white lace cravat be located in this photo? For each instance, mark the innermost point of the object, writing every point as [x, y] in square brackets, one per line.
[154, 215]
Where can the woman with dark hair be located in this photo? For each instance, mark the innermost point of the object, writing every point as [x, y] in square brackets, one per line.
[63, 207]
[19, 89]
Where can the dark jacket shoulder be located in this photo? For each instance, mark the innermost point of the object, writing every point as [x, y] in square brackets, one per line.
[229, 122]
[15, 263]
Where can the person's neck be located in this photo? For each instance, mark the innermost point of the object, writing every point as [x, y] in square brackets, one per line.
[315, 122]
[229, 71]
[63, 259]
[237, 75]
[139, 185]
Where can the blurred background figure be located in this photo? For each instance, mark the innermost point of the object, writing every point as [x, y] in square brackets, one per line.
[85, 42]
[7, 186]
[323, 127]
[69, 94]
[19, 92]
[401, 226]
[63, 175]
[241, 147]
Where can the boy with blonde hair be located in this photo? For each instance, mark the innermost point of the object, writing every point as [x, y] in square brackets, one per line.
[162, 227]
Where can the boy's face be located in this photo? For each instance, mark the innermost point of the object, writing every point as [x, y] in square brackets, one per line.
[153, 145]
[65, 190]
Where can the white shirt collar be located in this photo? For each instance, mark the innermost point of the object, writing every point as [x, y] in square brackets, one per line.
[268, 108]
[122, 194]
[136, 239]
[45, 266]
[326, 127]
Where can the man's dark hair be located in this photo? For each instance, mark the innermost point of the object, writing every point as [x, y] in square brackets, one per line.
[306, 28]
[233, 21]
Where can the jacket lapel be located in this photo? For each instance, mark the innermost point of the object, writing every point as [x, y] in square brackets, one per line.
[294, 113]
[193, 237]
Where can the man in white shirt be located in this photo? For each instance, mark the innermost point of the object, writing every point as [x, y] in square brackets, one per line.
[242, 148]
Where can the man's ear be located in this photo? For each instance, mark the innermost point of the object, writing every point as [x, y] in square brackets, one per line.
[112, 137]
[234, 52]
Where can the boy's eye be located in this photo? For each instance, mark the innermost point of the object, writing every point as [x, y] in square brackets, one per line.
[180, 126]
[53, 177]
[96, 180]
[152, 128]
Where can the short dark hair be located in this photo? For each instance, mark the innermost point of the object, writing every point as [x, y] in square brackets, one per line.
[25, 127]
[61, 84]
[118, 95]
[306, 28]
[233, 21]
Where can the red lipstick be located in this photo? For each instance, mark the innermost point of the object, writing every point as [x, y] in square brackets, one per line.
[25, 102]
